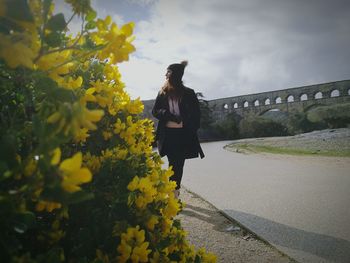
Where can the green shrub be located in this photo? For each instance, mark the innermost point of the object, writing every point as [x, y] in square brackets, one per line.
[298, 122]
[79, 181]
[228, 128]
[253, 127]
[334, 116]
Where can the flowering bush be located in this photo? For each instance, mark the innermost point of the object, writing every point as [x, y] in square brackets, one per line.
[79, 179]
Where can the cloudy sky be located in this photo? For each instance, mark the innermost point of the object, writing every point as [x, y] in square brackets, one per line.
[234, 47]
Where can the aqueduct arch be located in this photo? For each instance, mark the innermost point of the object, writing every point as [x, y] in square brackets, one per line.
[293, 99]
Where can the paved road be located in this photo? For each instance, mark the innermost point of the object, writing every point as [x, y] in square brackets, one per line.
[301, 205]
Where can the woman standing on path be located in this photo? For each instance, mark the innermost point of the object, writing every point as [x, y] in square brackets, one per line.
[177, 109]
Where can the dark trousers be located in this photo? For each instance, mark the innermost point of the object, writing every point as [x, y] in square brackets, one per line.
[174, 147]
[178, 167]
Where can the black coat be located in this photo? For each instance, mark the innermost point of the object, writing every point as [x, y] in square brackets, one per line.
[190, 114]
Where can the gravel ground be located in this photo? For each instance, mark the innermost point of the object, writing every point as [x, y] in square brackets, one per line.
[207, 227]
[329, 140]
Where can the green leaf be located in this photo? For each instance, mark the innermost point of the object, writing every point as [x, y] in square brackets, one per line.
[26, 217]
[57, 23]
[90, 25]
[120, 227]
[19, 10]
[91, 16]
[88, 43]
[54, 39]
[4, 174]
[23, 221]
[80, 196]
[54, 255]
[8, 150]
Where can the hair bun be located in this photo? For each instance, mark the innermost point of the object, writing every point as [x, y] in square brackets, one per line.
[185, 63]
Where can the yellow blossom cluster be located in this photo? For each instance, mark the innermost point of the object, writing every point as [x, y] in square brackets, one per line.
[72, 173]
[146, 188]
[21, 44]
[92, 162]
[133, 246]
[117, 40]
[137, 134]
[71, 118]
[48, 206]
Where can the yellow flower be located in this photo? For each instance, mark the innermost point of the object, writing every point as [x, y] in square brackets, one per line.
[48, 206]
[92, 162]
[132, 246]
[117, 41]
[88, 96]
[73, 174]
[146, 186]
[90, 116]
[155, 258]
[107, 135]
[140, 253]
[108, 20]
[206, 257]
[70, 118]
[172, 208]
[107, 154]
[57, 64]
[152, 221]
[80, 6]
[141, 202]
[70, 83]
[166, 226]
[147, 191]
[134, 184]
[127, 29]
[82, 135]
[125, 250]
[30, 167]
[56, 156]
[101, 92]
[56, 235]
[112, 73]
[122, 154]
[119, 126]
[24, 54]
[135, 106]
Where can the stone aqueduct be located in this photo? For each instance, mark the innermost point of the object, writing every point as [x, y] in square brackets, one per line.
[293, 99]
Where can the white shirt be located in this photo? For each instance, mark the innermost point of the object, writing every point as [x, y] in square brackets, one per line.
[174, 109]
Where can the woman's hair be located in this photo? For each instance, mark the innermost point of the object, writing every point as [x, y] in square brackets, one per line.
[174, 85]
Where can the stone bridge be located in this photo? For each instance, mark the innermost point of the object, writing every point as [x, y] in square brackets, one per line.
[293, 99]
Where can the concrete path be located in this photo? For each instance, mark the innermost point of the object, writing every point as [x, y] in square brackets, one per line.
[301, 205]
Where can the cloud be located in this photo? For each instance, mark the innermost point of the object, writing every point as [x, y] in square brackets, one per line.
[142, 2]
[235, 47]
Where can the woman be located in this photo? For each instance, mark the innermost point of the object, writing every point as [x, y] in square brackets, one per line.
[177, 109]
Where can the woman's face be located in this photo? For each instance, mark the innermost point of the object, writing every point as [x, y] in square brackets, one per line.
[168, 74]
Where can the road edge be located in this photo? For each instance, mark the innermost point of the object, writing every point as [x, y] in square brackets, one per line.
[245, 228]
